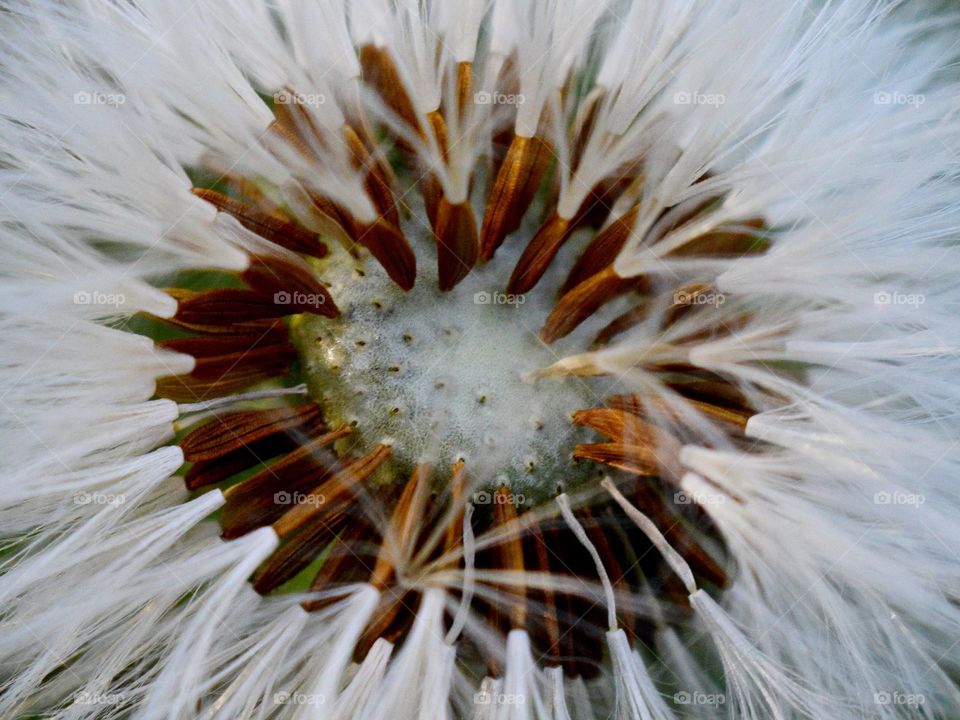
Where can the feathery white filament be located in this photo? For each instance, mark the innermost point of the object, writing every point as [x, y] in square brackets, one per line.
[219, 403]
[638, 697]
[564, 503]
[673, 558]
[469, 558]
[759, 688]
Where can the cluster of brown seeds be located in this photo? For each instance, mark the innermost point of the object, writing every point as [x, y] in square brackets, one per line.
[406, 536]
[284, 466]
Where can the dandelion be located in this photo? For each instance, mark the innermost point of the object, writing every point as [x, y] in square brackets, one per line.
[509, 359]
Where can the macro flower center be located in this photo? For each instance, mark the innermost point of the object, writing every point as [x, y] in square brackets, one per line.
[419, 369]
[417, 423]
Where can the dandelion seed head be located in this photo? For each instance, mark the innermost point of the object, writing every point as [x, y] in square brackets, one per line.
[410, 358]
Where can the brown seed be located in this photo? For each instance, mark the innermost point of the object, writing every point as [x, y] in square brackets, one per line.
[265, 497]
[464, 85]
[635, 441]
[390, 248]
[259, 452]
[380, 71]
[731, 241]
[348, 561]
[583, 301]
[331, 490]
[458, 489]
[616, 424]
[603, 249]
[538, 255]
[296, 125]
[263, 361]
[432, 191]
[513, 190]
[456, 239]
[377, 181]
[225, 434]
[636, 459]
[623, 322]
[224, 374]
[639, 405]
[235, 338]
[281, 230]
[390, 620]
[231, 306]
[289, 285]
[405, 525]
[298, 552]
[510, 551]
[438, 126]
